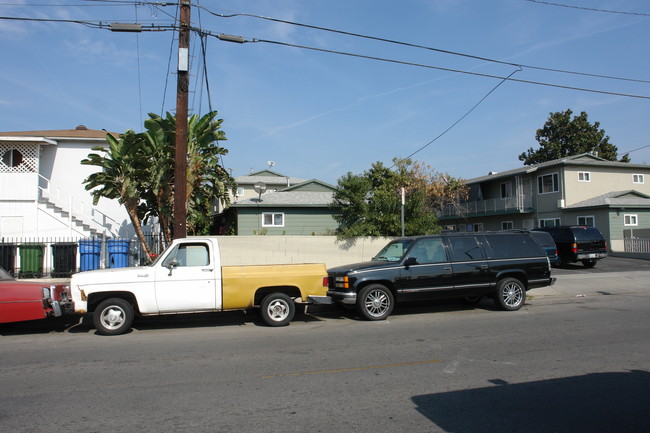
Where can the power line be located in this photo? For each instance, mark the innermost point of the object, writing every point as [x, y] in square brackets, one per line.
[407, 44]
[589, 9]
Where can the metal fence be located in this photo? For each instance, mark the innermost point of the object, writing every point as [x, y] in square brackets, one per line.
[636, 245]
[61, 257]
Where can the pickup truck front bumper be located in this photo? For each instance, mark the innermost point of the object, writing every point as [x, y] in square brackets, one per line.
[349, 298]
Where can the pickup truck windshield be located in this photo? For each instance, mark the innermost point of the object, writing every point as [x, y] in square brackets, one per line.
[394, 251]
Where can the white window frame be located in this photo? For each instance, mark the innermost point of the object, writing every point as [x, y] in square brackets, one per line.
[584, 176]
[507, 225]
[506, 190]
[630, 219]
[477, 227]
[273, 216]
[241, 191]
[586, 218]
[638, 178]
[556, 222]
[555, 183]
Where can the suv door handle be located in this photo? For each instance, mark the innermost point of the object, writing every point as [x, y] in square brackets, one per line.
[484, 266]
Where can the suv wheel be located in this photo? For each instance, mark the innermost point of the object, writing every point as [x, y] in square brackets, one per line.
[589, 263]
[375, 302]
[510, 294]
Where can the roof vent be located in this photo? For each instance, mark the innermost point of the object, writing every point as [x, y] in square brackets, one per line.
[81, 128]
[492, 173]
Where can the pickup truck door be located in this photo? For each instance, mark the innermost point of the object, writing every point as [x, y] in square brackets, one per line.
[428, 273]
[188, 279]
[472, 274]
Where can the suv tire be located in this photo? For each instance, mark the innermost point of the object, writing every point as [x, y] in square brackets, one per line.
[510, 294]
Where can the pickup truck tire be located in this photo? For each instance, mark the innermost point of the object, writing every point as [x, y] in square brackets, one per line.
[113, 316]
[510, 294]
[375, 302]
[277, 309]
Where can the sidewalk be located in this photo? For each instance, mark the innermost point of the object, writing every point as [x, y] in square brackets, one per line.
[595, 284]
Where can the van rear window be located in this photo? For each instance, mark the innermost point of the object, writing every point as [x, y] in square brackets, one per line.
[514, 245]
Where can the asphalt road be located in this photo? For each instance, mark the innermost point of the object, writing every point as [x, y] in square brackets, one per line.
[575, 358]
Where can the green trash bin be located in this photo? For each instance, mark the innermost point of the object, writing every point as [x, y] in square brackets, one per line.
[31, 260]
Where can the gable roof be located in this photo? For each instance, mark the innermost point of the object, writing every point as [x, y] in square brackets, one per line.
[584, 159]
[288, 199]
[615, 199]
[313, 185]
[267, 177]
[79, 132]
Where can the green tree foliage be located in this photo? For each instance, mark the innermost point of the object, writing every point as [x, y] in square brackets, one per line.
[370, 203]
[138, 170]
[563, 136]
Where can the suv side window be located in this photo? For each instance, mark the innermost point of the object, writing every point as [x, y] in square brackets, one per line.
[513, 245]
[429, 250]
[465, 248]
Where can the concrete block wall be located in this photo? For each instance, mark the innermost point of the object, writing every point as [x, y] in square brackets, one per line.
[258, 250]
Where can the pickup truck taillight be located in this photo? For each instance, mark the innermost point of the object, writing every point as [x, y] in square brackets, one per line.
[326, 281]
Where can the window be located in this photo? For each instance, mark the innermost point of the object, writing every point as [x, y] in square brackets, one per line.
[506, 225]
[272, 220]
[638, 178]
[429, 250]
[549, 222]
[584, 176]
[240, 192]
[12, 158]
[465, 248]
[585, 221]
[478, 227]
[630, 220]
[189, 255]
[506, 190]
[548, 183]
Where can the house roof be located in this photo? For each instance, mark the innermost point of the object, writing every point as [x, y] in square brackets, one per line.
[289, 199]
[616, 199]
[585, 159]
[267, 177]
[79, 132]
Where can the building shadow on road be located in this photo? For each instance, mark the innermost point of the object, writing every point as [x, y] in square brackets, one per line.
[599, 402]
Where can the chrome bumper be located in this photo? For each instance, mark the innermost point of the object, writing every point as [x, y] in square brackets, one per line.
[343, 297]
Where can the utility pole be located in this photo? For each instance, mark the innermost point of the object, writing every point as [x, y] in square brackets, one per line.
[180, 156]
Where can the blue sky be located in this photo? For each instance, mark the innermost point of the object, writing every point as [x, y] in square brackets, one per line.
[320, 115]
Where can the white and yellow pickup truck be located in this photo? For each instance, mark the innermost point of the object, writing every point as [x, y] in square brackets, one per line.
[188, 277]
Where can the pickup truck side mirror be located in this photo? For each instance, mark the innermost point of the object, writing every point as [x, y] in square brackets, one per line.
[411, 261]
[173, 263]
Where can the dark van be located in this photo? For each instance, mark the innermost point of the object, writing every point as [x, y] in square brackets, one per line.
[578, 244]
[468, 266]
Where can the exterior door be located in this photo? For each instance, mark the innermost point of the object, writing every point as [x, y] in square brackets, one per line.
[430, 275]
[471, 271]
[188, 279]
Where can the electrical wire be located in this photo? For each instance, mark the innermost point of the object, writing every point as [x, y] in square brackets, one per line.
[391, 41]
[588, 9]
[462, 117]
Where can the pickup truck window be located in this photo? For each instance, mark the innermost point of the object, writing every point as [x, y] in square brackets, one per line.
[465, 248]
[429, 250]
[191, 254]
[394, 251]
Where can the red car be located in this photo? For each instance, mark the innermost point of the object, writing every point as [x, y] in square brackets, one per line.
[29, 300]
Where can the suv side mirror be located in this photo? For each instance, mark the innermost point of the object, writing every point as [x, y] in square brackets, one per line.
[411, 261]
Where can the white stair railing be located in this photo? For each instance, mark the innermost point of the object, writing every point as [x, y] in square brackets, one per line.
[86, 214]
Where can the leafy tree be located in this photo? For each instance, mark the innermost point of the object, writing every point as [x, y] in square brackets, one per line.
[370, 203]
[562, 136]
[123, 166]
[138, 170]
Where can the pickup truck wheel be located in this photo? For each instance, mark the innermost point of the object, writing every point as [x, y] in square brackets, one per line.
[113, 316]
[510, 294]
[375, 302]
[277, 309]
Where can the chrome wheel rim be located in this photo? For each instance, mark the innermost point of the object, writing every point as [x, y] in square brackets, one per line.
[377, 303]
[513, 295]
[113, 317]
[278, 310]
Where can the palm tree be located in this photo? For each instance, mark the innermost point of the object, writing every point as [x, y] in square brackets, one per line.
[123, 166]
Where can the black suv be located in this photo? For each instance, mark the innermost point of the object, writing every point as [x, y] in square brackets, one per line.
[578, 243]
[468, 266]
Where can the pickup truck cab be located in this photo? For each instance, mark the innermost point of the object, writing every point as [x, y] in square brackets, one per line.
[188, 277]
[468, 266]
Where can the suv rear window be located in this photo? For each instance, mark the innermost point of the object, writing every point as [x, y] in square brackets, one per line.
[586, 234]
